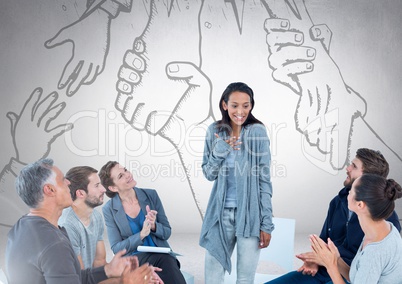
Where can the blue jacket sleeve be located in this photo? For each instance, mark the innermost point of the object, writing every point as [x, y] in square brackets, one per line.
[215, 152]
[264, 173]
[325, 227]
[118, 239]
[163, 229]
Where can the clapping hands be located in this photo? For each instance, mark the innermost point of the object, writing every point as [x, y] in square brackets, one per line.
[326, 254]
[149, 223]
[150, 218]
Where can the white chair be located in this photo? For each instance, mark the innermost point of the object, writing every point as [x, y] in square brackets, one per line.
[188, 277]
[277, 258]
[3, 278]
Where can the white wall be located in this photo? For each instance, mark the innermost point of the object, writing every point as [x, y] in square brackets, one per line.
[362, 69]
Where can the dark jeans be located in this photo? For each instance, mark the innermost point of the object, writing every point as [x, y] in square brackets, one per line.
[170, 273]
[298, 277]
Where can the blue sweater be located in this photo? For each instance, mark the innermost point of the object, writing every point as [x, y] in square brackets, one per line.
[254, 188]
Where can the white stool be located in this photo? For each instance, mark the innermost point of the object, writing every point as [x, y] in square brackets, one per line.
[3, 279]
[188, 277]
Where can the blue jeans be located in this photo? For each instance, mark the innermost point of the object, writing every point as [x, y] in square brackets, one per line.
[248, 254]
[298, 277]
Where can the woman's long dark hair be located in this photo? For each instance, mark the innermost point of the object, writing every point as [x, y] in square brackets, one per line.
[224, 123]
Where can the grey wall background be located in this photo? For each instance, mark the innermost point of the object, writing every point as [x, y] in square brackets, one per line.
[139, 81]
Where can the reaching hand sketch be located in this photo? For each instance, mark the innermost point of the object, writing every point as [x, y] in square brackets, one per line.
[34, 121]
[299, 58]
[144, 70]
[88, 57]
[163, 65]
[185, 127]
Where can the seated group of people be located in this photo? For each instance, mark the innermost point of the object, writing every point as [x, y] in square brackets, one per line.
[60, 240]
[360, 241]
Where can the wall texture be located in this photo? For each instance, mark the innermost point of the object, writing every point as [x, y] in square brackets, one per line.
[84, 82]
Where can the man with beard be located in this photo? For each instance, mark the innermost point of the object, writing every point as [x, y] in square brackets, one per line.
[341, 224]
[85, 225]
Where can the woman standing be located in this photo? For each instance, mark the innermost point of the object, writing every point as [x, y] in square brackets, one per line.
[135, 216]
[379, 257]
[237, 158]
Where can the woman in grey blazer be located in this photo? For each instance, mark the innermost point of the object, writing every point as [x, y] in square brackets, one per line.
[135, 217]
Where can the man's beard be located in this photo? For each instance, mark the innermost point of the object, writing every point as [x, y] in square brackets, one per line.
[93, 203]
[348, 184]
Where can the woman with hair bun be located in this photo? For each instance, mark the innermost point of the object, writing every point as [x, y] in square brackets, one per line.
[379, 258]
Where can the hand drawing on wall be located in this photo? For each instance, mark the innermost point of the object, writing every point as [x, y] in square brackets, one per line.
[172, 68]
[299, 57]
[327, 106]
[160, 65]
[168, 60]
[88, 57]
[145, 66]
[32, 123]
[303, 64]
